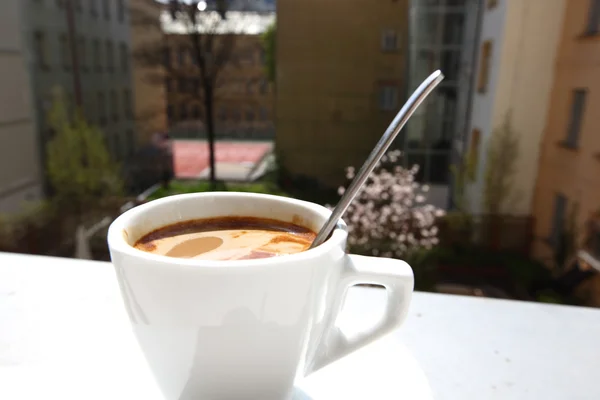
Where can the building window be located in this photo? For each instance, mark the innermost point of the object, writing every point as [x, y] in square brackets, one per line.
[88, 107]
[114, 103]
[65, 53]
[222, 114]
[109, 56]
[70, 100]
[131, 145]
[491, 4]
[558, 219]
[244, 56]
[170, 114]
[263, 113]
[182, 85]
[97, 55]
[196, 111]
[167, 57]
[262, 56]
[196, 85]
[101, 108]
[474, 153]
[181, 56]
[183, 115]
[576, 117]
[264, 86]
[82, 53]
[389, 40]
[235, 115]
[484, 66]
[450, 63]
[124, 57]
[39, 44]
[106, 8]
[168, 85]
[388, 98]
[94, 8]
[593, 19]
[127, 103]
[109, 145]
[60, 3]
[116, 148]
[250, 87]
[250, 115]
[121, 10]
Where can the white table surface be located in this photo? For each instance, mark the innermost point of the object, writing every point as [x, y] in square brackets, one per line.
[64, 335]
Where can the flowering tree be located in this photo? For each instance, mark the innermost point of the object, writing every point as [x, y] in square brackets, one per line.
[389, 217]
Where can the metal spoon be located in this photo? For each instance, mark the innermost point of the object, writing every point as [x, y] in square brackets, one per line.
[388, 137]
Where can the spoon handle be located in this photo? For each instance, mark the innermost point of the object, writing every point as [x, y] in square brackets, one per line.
[388, 137]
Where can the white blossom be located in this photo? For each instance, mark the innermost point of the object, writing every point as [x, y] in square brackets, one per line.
[389, 216]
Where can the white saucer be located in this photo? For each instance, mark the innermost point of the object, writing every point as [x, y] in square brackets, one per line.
[79, 345]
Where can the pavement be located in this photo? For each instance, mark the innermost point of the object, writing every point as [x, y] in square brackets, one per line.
[234, 160]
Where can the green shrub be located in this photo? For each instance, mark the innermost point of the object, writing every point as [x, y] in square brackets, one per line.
[181, 187]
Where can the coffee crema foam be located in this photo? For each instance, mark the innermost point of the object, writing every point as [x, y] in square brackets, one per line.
[227, 238]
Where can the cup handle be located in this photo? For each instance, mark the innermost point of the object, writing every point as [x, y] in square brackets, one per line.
[397, 278]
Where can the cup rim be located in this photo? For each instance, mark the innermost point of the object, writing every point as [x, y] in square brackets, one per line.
[117, 243]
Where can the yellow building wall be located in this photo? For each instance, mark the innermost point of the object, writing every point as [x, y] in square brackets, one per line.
[330, 66]
[573, 172]
[149, 94]
[526, 71]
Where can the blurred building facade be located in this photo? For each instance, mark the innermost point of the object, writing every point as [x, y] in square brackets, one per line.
[569, 163]
[243, 107]
[149, 89]
[20, 172]
[443, 35]
[245, 5]
[341, 69]
[515, 72]
[84, 48]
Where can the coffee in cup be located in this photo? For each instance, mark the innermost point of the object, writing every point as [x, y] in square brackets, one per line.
[227, 238]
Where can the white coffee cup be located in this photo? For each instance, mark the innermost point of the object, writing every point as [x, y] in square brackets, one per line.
[245, 329]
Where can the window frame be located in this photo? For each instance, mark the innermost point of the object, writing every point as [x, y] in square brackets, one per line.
[40, 43]
[97, 50]
[559, 214]
[127, 106]
[102, 111]
[65, 51]
[114, 105]
[474, 146]
[94, 8]
[106, 9]
[121, 10]
[485, 57]
[592, 23]
[82, 48]
[124, 54]
[183, 112]
[576, 118]
[110, 59]
[388, 92]
[387, 34]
